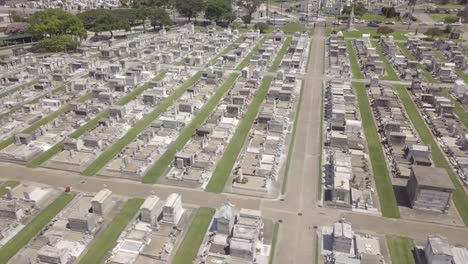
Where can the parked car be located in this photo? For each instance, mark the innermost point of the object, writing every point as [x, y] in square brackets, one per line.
[337, 23]
[372, 24]
[390, 23]
[439, 24]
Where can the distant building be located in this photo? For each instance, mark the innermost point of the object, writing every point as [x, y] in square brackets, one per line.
[430, 188]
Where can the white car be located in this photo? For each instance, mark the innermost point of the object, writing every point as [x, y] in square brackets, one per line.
[439, 24]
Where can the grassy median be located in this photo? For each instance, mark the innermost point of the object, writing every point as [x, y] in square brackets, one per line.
[410, 56]
[34, 227]
[224, 167]
[279, 57]
[189, 247]
[163, 163]
[401, 249]
[382, 179]
[254, 51]
[138, 127]
[273, 243]
[108, 238]
[91, 124]
[391, 74]
[355, 68]
[460, 198]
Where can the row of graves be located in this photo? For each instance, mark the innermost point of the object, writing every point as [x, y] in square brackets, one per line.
[91, 83]
[368, 57]
[347, 175]
[260, 165]
[237, 236]
[341, 244]
[19, 205]
[445, 125]
[452, 51]
[194, 164]
[405, 68]
[139, 156]
[423, 52]
[337, 57]
[65, 238]
[418, 184]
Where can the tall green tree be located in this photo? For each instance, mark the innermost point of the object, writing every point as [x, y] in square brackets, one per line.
[159, 17]
[250, 7]
[189, 8]
[217, 10]
[56, 22]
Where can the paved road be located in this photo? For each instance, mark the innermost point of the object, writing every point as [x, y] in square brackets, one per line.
[298, 209]
[423, 17]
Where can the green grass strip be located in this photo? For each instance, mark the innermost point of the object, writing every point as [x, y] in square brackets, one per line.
[254, 51]
[189, 247]
[391, 74]
[19, 87]
[459, 196]
[34, 227]
[355, 68]
[33, 101]
[225, 165]
[279, 57]
[410, 56]
[132, 134]
[91, 124]
[161, 165]
[401, 249]
[11, 184]
[382, 179]
[226, 50]
[461, 74]
[440, 56]
[136, 92]
[44, 120]
[108, 238]
[273, 243]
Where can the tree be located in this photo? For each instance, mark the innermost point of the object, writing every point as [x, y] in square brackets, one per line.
[17, 28]
[56, 22]
[390, 12]
[159, 3]
[189, 8]
[59, 43]
[16, 16]
[262, 26]
[110, 22]
[101, 20]
[434, 31]
[384, 30]
[250, 7]
[359, 9]
[217, 10]
[159, 17]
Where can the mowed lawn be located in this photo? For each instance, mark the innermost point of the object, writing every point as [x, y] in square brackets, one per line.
[249, 56]
[460, 198]
[381, 174]
[224, 167]
[277, 62]
[34, 227]
[391, 74]
[401, 249]
[189, 247]
[410, 56]
[139, 126]
[108, 239]
[160, 167]
[355, 68]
